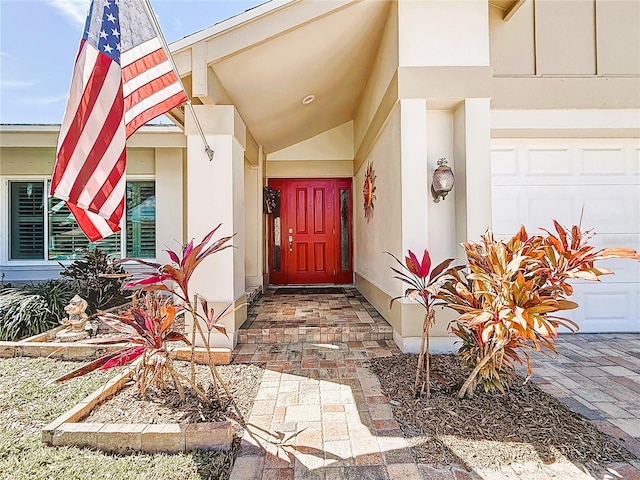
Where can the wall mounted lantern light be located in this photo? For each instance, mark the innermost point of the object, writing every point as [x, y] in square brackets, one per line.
[442, 182]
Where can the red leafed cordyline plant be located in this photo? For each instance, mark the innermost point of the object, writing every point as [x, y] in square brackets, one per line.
[510, 294]
[146, 329]
[422, 289]
[179, 274]
[174, 278]
[149, 324]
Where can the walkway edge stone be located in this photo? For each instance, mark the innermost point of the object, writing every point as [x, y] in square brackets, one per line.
[125, 437]
[79, 351]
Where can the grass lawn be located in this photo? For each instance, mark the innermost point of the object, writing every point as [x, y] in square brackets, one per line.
[28, 402]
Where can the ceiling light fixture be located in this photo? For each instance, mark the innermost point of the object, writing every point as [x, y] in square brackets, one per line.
[308, 99]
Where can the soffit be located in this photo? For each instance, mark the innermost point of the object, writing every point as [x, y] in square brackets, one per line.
[329, 57]
[501, 4]
[508, 7]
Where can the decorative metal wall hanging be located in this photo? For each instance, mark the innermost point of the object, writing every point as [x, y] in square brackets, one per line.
[271, 201]
[368, 191]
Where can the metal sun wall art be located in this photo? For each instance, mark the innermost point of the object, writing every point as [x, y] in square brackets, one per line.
[369, 191]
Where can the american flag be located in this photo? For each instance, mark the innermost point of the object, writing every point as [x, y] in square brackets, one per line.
[122, 79]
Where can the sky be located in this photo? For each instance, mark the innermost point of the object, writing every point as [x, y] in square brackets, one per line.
[39, 40]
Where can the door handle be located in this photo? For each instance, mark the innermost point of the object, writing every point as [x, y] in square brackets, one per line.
[291, 243]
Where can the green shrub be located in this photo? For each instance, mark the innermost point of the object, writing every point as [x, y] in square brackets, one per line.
[98, 280]
[33, 309]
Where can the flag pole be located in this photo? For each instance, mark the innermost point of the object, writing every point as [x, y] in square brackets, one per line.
[156, 25]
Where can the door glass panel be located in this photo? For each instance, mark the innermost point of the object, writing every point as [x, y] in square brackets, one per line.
[276, 244]
[344, 229]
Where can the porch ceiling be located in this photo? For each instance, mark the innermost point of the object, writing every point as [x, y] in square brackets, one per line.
[509, 7]
[328, 56]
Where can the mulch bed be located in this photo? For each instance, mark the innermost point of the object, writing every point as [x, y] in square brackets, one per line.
[243, 381]
[490, 429]
[127, 406]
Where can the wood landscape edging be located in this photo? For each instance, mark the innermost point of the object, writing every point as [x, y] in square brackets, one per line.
[125, 437]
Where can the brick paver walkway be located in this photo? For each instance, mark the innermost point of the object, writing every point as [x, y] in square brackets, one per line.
[320, 413]
[334, 314]
[598, 376]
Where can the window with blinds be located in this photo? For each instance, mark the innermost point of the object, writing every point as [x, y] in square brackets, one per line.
[141, 219]
[65, 241]
[27, 220]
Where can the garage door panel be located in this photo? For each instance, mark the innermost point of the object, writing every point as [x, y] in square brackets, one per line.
[608, 208]
[629, 240]
[615, 309]
[504, 163]
[546, 162]
[535, 181]
[565, 164]
[533, 207]
[623, 272]
[507, 210]
[610, 162]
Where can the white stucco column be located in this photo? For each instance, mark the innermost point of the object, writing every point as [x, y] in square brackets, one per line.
[215, 194]
[443, 61]
[414, 174]
[254, 223]
[169, 201]
[262, 223]
[472, 154]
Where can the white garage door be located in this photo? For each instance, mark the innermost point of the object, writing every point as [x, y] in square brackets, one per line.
[535, 181]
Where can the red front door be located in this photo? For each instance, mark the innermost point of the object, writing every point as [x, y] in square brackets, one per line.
[310, 234]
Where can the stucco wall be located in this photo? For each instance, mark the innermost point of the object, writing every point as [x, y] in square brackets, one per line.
[383, 232]
[441, 215]
[252, 242]
[382, 72]
[512, 43]
[169, 170]
[326, 155]
[23, 161]
[238, 218]
[618, 37]
[567, 37]
[567, 54]
[443, 33]
[334, 144]
[39, 161]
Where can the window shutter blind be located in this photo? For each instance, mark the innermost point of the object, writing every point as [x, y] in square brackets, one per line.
[141, 219]
[66, 240]
[27, 220]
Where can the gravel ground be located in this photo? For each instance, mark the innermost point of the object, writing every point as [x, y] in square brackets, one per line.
[490, 429]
